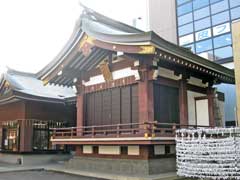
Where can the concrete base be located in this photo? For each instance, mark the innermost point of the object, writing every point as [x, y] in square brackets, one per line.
[33, 159]
[123, 166]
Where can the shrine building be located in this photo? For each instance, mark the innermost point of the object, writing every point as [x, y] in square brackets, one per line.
[28, 110]
[133, 90]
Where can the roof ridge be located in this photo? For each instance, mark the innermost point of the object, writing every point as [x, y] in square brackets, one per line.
[21, 73]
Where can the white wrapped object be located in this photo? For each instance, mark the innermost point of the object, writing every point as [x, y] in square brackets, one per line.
[208, 153]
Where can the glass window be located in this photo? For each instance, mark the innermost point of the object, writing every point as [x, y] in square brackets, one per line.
[179, 2]
[213, 1]
[200, 3]
[190, 47]
[204, 34]
[186, 8]
[185, 19]
[220, 18]
[223, 40]
[234, 3]
[221, 29]
[201, 13]
[186, 39]
[202, 24]
[235, 13]
[186, 29]
[222, 53]
[218, 7]
[207, 55]
[204, 45]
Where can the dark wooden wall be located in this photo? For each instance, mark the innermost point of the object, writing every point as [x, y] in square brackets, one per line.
[166, 104]
[50, 111]
[111, 106]
[12, 111]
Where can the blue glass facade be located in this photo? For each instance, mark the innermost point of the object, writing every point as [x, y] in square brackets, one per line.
[205, 27]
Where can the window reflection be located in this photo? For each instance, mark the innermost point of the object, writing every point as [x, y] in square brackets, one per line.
[201, 13]
[223, 40]
[179, 2]
[235, 13]
[185, 19]
[186, 39]
[207, 55]
[218, 7]
[204, 46]
[213, 1]
[186, 8]
[220, 18]
[198, 4]
[202, 24]
[234, 3]
[186, 29]
[222, 53]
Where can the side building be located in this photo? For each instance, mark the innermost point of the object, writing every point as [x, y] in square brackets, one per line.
[28, 111]
[133, 90]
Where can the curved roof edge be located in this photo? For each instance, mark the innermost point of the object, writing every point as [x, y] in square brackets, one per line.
[107, 30]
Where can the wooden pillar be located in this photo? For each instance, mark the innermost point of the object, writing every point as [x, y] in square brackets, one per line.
[183, 102]
[80, 113]
[26, 133]
[145, 95]
[211, 96]
[80, 108]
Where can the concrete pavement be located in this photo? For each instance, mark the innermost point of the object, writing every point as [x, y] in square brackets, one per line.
[60, 168]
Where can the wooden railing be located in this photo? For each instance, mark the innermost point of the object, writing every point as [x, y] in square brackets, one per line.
[147, 129]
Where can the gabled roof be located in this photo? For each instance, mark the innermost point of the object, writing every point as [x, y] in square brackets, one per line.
[21, 85]
[95, 36]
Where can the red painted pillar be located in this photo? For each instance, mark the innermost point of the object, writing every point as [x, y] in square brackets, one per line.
[183, 102]
[145, 95]
[211, 96]
[80, 104]
[80, 108]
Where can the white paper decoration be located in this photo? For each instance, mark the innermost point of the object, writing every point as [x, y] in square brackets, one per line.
[208, 153]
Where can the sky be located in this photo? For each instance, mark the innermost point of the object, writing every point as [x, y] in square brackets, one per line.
[32, 32]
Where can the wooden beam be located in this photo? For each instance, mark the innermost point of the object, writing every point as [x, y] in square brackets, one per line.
[211, 96]
[183, 101]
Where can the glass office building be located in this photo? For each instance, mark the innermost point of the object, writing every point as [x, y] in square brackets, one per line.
[204, 26]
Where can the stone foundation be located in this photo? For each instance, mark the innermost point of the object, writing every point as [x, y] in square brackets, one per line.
[123, 166]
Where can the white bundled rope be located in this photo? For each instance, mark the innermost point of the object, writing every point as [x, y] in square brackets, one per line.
[208, 153]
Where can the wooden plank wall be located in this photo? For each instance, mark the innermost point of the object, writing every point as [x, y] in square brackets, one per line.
[112, 106]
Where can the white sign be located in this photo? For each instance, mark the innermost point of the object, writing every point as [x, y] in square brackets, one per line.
[186, 39]
[223, 28]
[5, 142]
[203, 34]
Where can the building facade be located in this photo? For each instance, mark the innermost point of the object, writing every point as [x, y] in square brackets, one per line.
[204, 26]
[28, 111]
[133, 90]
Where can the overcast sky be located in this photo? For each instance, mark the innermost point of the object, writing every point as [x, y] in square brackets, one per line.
[32, 32]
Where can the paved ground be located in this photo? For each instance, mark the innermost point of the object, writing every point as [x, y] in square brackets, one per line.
[42, 175]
